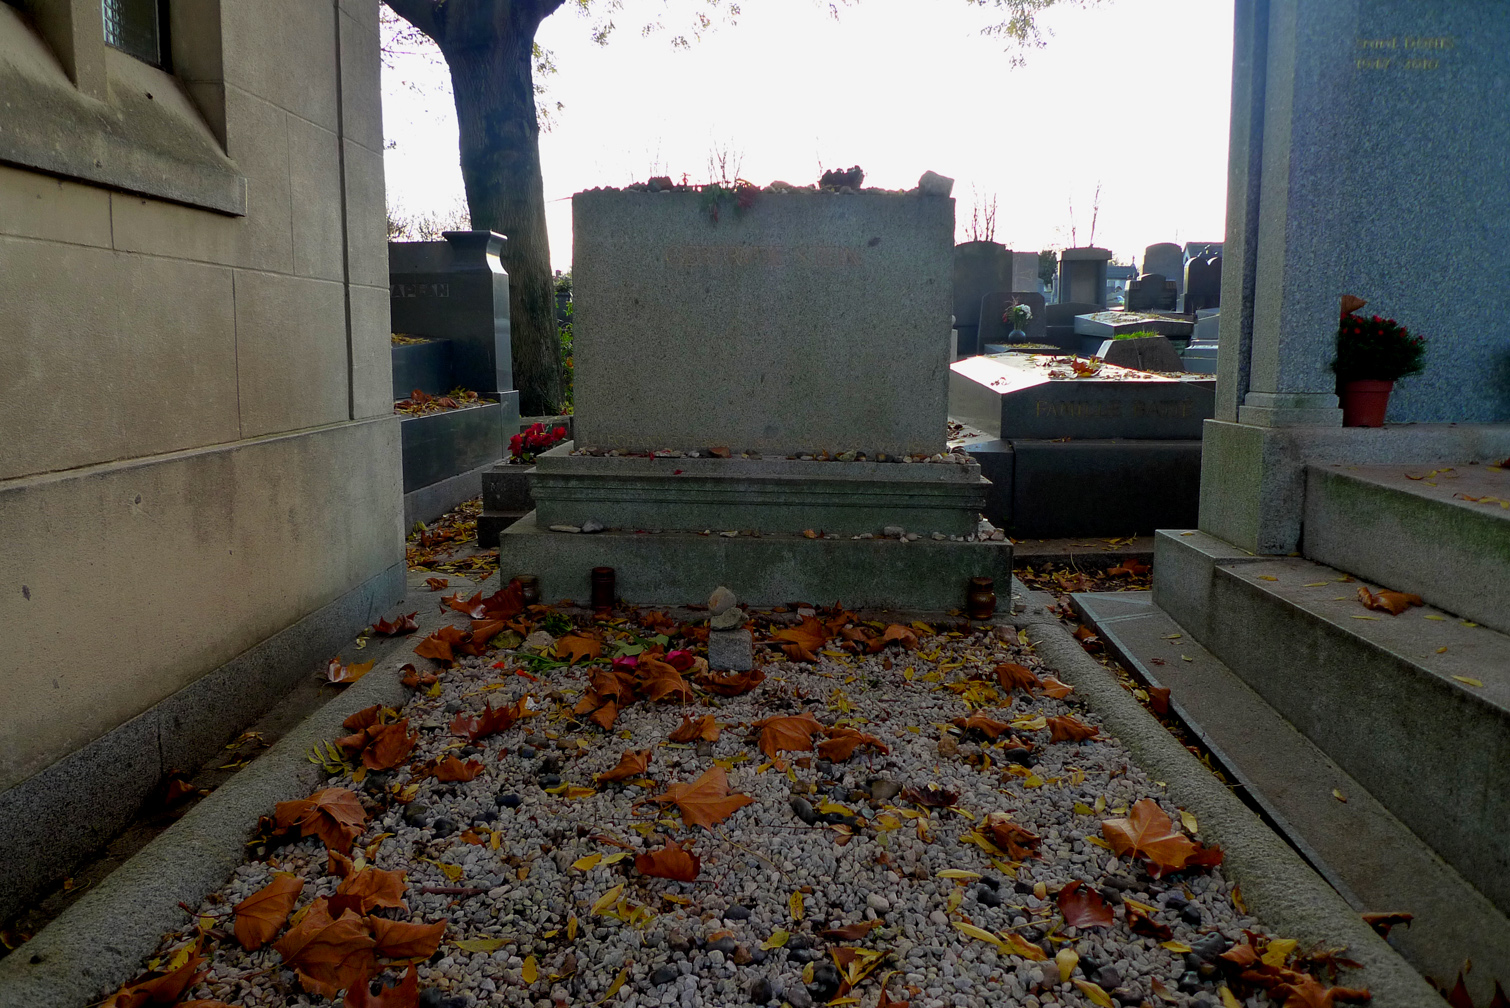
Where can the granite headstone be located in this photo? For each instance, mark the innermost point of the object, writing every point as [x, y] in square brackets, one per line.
[1082, 275]
[993, 330]
[1168, 259]
[1151, 292]
[979, 268]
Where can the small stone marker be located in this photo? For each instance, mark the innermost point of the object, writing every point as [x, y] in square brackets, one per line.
[934, 184]
[730, 646]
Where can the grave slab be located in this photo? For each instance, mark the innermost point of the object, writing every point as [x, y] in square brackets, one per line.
[1144, 353]
[1109, 324]
[1031, 396]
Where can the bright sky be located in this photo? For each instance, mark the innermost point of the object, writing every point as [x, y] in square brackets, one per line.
[1130, 94]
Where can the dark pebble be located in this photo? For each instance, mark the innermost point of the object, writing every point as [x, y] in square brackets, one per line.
[549, 764]
[444, 827]
[417, 815]
[453, 706]
[537, 740]
[801, 941]
[1192, 915]
[509, 800]
[679, 942]
[486, 816]
[802, 810]
[550, 780]
[840, 819]
[431, 997]
[824, 766]
[761, 991]
[1022, 886]
[1176, 902]
[1022, 757]
[804, 955]
[1190, 983]
[1120, 882]
[704, 748]
[724, 945]
[526, 752]
[825, 985]
[1206, 970]
[986, 896]
[759, 956]
[737, 912]
[1108, 977]
[1209, 947]
[466, 751]
[664, 975]
[1111, 895]
[1090, 967]
[992, 882]
[1128, 997]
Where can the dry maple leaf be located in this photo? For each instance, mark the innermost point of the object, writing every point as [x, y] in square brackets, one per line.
[932, 796]
[842, 743]
[1014, 677]
[809, 635]
[452, 770]
[1052, 687]
[406, 939]
[404, 994]
[980, 723]
[261, 915]
[335, 815]
[389, 745]
[363, 718]
[671, 862]
[731, 683]
[402, 625]
[1129, 568]
[1150, 834]
[1158, 699]
[472, 607]
[413, 679]
[164, 987]
[442, 644]
[1083, 907]
[1139, 923]
[791, 733]
[1010, 837]
[1067, 729]
[1392, 602]
[633, 763]
[437, 584]
[1309, 993]
[851, 932]
[344, 675]
[660, 681]
[797, 652]
[901, 635]
[703, 728]
[489, 722]
[706, 801]
[329, 954]
[1382, 922]
[578, 647]
[369, 889]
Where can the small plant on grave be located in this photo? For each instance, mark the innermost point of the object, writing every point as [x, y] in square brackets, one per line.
[718, 198]
[1140, 334]
[1376, 349]
[524, 446]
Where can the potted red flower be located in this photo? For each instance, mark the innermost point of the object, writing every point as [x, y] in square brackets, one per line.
[1372, 354]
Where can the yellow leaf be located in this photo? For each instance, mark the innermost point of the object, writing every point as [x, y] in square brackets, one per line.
[778, 939]
[1261, 577]
[1143, 908]
[1066, 960]
[1100, 804]
[1433, 616]
[571, 928]
[453, 871]
[1188, 821]
[1031, 724]
[587, 863]
[1278, 950]
[529, 972]
[1466, 679]
[908, 673]
[1081, 808]
[1318, 584]
[795, 904]
[682, 900]
[1228, 1001]
[959, 873]
[1177, 947]
[1339, 795]
[479, 944]
[1097, 995]
[955, 899]
[613, 859]
[575, 791]
[1015, 944]
[1237, 899]
[617, 983]
[979, 934]
[1098, 842]
[831, 806]
[607, 900]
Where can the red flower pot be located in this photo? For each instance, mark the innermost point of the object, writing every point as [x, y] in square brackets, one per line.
[1364, 402]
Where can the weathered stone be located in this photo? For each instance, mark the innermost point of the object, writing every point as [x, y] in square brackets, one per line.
[731, 650]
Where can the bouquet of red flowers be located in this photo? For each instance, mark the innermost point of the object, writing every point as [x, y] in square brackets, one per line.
[524, 446]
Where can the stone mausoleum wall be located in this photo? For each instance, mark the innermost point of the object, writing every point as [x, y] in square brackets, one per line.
[199, 469]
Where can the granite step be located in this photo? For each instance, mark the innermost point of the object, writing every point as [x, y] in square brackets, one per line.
[1362, 849]
[1439, 531]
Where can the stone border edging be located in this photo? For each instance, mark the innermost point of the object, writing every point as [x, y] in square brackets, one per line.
[102, 940]
[1278, 887]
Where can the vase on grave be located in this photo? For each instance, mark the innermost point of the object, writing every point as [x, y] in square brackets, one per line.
[1364, 402]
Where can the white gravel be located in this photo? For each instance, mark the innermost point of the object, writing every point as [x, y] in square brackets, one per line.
[753, 862]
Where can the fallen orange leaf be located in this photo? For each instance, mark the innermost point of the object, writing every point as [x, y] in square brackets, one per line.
[671, 862]
[1392, 602]
[706, 801]
[261, 915]
[1083, 907]
[1150, 834]
[1014, 677]
[402, 625]
[452, 770]
[632, 764]
[406, 939]
[703, 728]
[335, 815]
[1068, 729]
[790, 733]
[328, 954]
[370, 888]
[404, 994]
[578, 647]
[988, 727]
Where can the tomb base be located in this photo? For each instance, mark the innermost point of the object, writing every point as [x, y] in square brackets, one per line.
[670, 568]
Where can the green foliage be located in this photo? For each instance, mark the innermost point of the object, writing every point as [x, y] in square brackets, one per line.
[556, 624]
[568, 367]
[1376, 349]
[1048, 264]
[1136, 335]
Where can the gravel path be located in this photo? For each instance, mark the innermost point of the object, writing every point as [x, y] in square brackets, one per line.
[515, 838]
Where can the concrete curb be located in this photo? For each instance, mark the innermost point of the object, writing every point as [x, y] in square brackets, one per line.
[1278, 887]
[102, 940]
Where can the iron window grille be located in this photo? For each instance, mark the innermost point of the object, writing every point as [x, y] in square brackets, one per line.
[138, 27]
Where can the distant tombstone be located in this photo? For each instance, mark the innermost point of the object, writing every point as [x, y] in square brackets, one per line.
[457, 290]
[980, 267]
[1082, 275]
[1203, 282]
[994, 331]
[1151, 292]
[1025, 272]
[1059, 323]
[1166, 258]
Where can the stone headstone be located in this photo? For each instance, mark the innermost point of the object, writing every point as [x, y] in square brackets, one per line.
[980, 267]
[1021, 396]
[1203, 282]
[1025, 272]
[1151, 292]
[457, 290]
[1168, 259]
[689, 332]
[1082, 275]
[1059, 323]
[993, 330]
[1142, 353]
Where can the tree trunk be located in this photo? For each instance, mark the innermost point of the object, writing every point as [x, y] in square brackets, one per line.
[492, 80]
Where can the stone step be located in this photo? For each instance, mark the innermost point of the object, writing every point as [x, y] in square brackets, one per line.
[1417, 529]
[1416, 707]
[1365, 852]
[490, 525]
[506, 487]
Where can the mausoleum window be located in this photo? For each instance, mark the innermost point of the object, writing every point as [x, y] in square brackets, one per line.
[137, 27]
